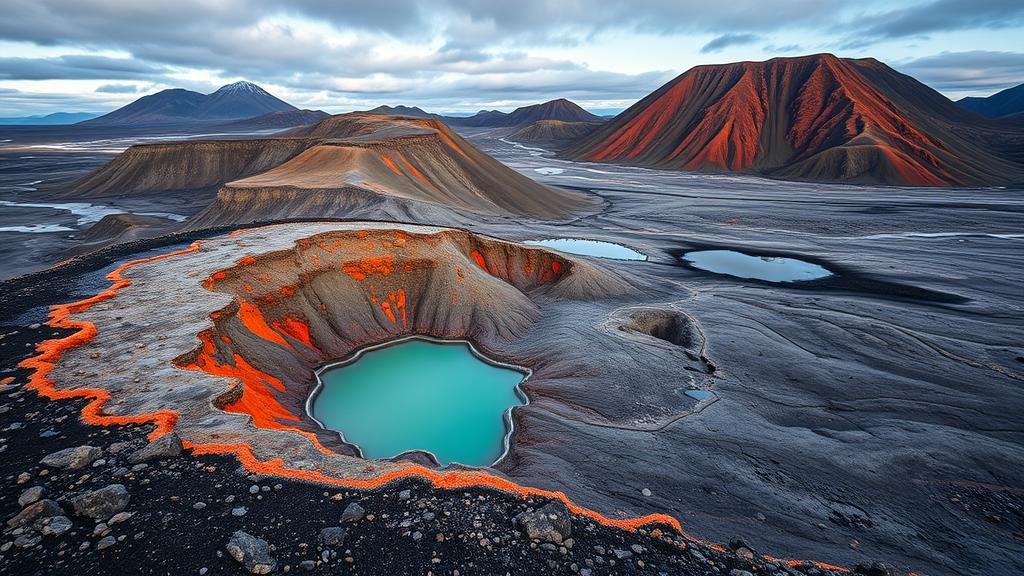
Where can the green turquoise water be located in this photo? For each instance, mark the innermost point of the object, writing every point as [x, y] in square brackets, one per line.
[420, 395]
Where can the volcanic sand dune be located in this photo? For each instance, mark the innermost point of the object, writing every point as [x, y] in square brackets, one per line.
[808, 118]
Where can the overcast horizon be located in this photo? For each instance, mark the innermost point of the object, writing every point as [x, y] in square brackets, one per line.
[451, 56]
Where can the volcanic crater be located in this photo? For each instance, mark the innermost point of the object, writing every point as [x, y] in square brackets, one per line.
[225, 355]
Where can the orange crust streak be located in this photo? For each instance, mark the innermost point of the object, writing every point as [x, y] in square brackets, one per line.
[50, 351]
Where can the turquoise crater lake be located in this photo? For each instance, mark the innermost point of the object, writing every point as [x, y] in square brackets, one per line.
[437, 396]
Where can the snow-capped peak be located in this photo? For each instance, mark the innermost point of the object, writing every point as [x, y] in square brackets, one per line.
[242, 86]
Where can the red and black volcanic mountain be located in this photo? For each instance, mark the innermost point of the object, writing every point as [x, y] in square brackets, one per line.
[178, 106]
[560, 109]
[808, 118]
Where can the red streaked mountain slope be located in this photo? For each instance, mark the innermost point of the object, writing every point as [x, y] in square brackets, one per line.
[809, 118]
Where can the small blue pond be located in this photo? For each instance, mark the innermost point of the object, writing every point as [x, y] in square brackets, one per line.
[768, 268]
[590, 248]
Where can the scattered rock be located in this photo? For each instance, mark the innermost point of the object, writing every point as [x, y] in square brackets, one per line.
[549, 523]
[72, 458]
[740, 549]
[353, 513]
[164, 447]
[119, 517]
[646, 492]
[118, 447]
[27, 540]
[106, 542]
[333, 536]
[42, 509]
[103, 503]
[251, 552]
[405, 495]
[239, 511]
[57, 525]
[30, 495]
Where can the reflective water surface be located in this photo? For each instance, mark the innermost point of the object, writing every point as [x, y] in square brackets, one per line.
[590, 248]
[439, 397]
[769, 268]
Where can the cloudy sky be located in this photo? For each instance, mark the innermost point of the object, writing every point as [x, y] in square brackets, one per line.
[451, 55]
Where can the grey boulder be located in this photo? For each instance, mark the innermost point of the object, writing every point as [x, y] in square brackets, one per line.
[44, 508]
[251, 552]
[72, 458]
[353, 513]
[164, 447]
[549, 523]
[103, 503]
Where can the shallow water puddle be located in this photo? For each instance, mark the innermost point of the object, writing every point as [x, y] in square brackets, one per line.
[590, 248]
[549, 171]
[769, 268]
[439, 397]
[699, 395]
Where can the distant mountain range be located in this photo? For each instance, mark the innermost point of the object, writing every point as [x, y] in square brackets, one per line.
[816, 117]
[560, 109]
[57, 118]
[1009, 102]
[179, 106]
[410, 111]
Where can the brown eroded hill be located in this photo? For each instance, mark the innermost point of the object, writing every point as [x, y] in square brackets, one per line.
[190, 165]
[808, 118]
[359, 160]
[365, 164]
